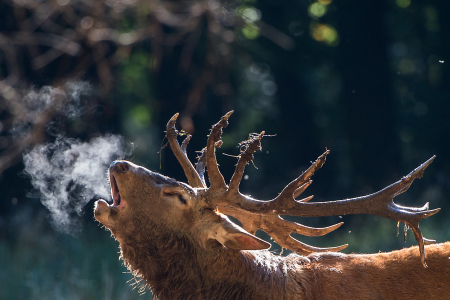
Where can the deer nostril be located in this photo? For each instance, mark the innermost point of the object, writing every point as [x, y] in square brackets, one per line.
[120, 166]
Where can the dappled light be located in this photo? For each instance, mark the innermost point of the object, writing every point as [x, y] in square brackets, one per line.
[317, 10]
[140, 114]
[250, 31]
[431, 18]
[250, 14]
[325, 33]
[325, 2]
[403, 3]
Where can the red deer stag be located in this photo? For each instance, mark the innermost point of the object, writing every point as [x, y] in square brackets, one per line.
[177, 238]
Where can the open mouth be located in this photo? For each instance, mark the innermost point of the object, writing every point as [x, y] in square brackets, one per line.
[117, 199]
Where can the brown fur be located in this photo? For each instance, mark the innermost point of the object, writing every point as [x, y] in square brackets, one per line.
[173, 268]
[393, 275]
[176, 269]
[172, 240]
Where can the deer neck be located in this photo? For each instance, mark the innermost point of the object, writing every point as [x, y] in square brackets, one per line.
[174, 268]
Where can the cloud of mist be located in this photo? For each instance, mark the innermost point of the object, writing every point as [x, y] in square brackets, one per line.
[68, 173]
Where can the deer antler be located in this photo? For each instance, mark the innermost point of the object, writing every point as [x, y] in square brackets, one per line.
[193, 177]
[380, 203]
[274, 225]
[264, 215]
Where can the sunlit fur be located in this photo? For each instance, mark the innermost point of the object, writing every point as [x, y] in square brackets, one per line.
[174, 267]
[160, 244]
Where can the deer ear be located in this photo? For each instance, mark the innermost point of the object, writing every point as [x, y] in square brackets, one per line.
[234, 237]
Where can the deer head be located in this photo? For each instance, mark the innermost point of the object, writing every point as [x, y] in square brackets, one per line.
[145, 199]
[145, 202]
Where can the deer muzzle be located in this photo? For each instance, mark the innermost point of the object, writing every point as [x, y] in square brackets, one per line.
[102, 209]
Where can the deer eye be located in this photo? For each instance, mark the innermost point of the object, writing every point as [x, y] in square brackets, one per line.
[182, 199]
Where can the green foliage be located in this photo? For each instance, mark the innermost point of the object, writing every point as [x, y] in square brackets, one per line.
[250, 31]
[141, 116]
[135, 75]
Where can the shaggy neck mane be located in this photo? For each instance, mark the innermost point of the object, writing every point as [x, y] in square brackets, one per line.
[173, 268]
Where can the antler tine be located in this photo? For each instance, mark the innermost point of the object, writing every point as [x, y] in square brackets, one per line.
[180, 153]
[280, 230]
[295, 188]
[278, 224]
[216, 179]
[295, 245]
[251, 145]
[301, 189]
[200, 166]
[185, 143]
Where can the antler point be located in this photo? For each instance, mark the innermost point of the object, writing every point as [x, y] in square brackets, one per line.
[228, 114]
[175, 116]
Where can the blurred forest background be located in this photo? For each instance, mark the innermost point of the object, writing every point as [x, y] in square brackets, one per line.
[368, 80]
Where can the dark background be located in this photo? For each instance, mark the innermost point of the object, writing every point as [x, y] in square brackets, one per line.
[368, 80]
